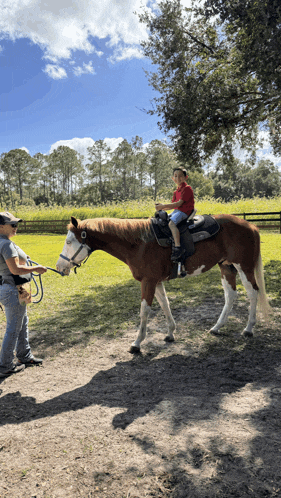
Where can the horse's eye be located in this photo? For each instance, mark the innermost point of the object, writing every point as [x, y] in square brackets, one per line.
[68, 242]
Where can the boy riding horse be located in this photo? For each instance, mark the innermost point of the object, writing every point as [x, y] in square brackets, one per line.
[182, 204]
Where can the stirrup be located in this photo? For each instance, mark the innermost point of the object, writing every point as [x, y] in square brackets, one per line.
[181, 270]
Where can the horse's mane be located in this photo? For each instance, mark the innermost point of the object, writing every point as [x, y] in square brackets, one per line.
[131, 230]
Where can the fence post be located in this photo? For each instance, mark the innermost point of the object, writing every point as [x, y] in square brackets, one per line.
[280, 221]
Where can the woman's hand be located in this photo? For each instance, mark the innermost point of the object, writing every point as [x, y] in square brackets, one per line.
[39, 269]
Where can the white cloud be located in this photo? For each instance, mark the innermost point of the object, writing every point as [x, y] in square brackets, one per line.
[81, 144]
[60, 27]
[86, 69]
[123, 53]
[264, 138]
[113, 142]
[188, 3]
[56, 72]
[24, 148]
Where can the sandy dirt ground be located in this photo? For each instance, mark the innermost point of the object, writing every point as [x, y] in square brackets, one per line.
[198, 418]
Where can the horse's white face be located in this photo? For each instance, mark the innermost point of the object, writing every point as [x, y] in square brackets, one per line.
[70, 247]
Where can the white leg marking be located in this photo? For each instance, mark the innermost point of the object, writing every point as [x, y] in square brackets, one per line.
[253, 297]
[230, 296]
[162, 299]
[144, 313]
[196, 272]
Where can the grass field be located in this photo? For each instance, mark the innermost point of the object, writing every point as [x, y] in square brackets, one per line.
[104, 299]
[144, 208]
[199, 417]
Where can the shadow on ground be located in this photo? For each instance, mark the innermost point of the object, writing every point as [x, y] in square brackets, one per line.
[188, 392]
[105, 312]
[194, 388]
[110, 310]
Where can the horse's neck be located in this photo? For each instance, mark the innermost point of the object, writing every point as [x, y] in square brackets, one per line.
[115, 246]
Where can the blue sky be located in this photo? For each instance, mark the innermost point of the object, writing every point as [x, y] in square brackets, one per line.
[72, 73]
[67, 79]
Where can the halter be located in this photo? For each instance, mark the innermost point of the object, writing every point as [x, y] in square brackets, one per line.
[82, 246]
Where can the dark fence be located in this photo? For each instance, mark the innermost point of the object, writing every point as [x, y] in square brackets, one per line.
[43, 226]
[267, 221]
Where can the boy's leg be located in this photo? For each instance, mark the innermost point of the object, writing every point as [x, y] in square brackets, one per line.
[175, 218]
[175, 233]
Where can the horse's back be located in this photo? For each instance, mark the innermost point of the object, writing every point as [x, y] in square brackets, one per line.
[239, 236]
[232, 219]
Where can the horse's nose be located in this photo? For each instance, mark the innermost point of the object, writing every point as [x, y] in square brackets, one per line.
[64, 271]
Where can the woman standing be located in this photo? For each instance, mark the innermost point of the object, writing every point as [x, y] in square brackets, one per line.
[12, 263]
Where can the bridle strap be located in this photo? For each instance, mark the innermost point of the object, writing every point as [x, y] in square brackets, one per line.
[82, 246]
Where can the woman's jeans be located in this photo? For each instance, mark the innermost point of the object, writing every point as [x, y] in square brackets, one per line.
[16, 336]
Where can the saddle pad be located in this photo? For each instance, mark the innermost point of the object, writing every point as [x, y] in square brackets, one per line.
[209, 228]
[206, 230]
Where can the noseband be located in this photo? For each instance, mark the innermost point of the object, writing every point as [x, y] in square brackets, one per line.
[82, 246]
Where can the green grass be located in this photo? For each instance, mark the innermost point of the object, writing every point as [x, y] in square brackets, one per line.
[103, 299]
[145, 208]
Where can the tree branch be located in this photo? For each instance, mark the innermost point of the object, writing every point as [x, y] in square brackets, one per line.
[199, 41]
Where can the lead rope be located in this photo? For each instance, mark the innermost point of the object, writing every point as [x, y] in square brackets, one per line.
[39, 287]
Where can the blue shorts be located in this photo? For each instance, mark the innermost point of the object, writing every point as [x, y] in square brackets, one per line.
[177, 216]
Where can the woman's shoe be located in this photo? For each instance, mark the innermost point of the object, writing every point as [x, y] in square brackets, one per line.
[15, 369]
[31, 362]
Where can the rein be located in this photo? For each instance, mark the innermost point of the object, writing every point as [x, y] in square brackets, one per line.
[82, 246]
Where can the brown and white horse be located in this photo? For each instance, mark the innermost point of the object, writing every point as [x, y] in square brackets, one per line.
[236, 247]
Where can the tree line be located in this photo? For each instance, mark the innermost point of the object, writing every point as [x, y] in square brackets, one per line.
[130, 172]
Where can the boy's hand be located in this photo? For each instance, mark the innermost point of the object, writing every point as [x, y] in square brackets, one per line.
[158, 207]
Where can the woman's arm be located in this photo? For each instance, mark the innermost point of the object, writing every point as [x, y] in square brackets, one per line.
[22, 269]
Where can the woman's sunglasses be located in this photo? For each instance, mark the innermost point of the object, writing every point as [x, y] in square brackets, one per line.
[14, 225]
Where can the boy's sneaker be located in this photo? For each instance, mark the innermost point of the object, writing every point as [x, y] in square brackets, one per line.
[15, 369]
[31, 362]
[177, 253]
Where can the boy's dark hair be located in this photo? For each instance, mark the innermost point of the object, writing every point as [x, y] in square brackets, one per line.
[179, 168]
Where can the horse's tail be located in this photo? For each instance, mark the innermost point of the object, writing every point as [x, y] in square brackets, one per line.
[263, 304]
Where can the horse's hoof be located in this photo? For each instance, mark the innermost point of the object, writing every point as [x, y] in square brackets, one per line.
[134, 350]
[246, 333]
[215, 332]
[169, 339]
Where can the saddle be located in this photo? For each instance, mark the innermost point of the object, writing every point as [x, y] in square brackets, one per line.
[193, 230]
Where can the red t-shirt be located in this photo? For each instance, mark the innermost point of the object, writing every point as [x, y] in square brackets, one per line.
[184, 192]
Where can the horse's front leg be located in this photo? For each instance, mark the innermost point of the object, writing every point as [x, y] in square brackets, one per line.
[147, 293]
[162, 299]
[228, 274]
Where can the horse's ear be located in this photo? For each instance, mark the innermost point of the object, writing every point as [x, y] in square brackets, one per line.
[74, 222]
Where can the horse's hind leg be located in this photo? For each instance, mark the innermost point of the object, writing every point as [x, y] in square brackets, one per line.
[162, 299]
[250, 284]
[228, 274]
